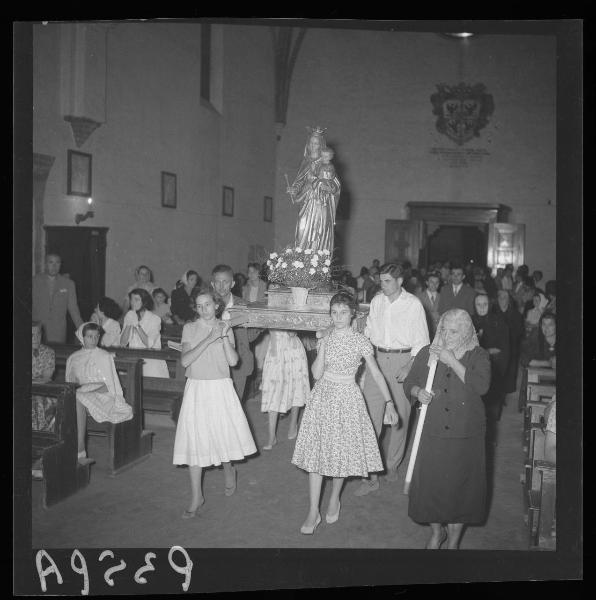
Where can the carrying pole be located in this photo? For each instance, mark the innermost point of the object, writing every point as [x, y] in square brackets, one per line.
[419, 426]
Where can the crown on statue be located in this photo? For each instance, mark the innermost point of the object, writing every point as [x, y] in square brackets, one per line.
[317, 130]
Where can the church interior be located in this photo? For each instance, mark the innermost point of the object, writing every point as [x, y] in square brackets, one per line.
[171, 144]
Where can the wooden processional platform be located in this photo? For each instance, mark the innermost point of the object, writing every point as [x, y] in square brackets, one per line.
[279, 312]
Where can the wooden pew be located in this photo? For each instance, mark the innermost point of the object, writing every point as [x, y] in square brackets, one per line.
[523, 390]
[128, 442]
[538, 397]
[539, 484]
[541, 375]
[54, 446]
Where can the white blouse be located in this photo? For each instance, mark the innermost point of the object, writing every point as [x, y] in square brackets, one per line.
[151, 325]
[398, 324]
[112, 330]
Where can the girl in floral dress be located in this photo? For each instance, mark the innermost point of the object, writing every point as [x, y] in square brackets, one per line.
[336, 437]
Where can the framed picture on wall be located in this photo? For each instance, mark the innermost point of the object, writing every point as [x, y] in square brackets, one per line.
[227, 207]
[268, 209]
[79, 174]
[168, 189]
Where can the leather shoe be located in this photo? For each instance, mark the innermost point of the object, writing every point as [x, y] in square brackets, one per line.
[333, 518]
[310, 530]
[229, 490]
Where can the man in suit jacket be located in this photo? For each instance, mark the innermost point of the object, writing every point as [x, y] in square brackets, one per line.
[53, 295]
[222, 279]
[457, 294]
[430, 301]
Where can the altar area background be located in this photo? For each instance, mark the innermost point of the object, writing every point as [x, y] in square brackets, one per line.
[202, 101]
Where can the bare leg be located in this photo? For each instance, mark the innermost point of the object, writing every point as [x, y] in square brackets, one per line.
[196, 492]
[455, 531]
[333, 507]
[230, 478]
[273, 416]
[81, 426]
[437, 537]
[293, 430]
[314, 486]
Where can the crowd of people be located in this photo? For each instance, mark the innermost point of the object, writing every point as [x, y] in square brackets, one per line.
[482, 327]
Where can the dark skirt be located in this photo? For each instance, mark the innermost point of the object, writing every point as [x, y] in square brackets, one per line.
[449, 481]
[510, 379]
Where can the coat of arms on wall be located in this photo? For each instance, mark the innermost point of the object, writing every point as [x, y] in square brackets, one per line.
[462, 110]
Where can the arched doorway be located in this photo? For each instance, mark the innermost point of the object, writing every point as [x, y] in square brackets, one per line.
[457, 243]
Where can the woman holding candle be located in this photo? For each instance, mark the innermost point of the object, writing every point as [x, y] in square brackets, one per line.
[449, 478]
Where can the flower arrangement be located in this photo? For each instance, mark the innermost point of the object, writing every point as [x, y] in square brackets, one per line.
[298, 267]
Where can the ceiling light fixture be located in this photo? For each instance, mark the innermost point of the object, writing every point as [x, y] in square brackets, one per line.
[463, 34]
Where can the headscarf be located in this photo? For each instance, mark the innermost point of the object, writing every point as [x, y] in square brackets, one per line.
[79, 331]
[535, 313]
[466, 340]
[543, 301]
[184, 278]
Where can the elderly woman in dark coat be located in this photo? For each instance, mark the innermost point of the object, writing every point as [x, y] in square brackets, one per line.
[449, 479]
[493, 335]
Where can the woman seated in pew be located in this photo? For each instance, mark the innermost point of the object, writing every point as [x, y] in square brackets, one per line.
[141, 329]
[534, 312]
[181, 302]
[540, 348]
[255, 288]
[106, 314]
[43, 358]
[43, 363]
[143, 280]
[162, 306]
[100, 393]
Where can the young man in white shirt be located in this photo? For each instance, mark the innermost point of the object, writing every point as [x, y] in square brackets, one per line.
[396, 326]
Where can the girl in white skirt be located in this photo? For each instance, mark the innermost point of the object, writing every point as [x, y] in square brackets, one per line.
[212, 428]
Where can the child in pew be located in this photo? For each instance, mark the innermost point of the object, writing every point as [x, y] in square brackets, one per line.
[162, 307]
[107, 313]
[212, 428]
[100, 393]
[142, 329]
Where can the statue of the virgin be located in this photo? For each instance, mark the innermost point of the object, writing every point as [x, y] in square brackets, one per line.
[317, 188]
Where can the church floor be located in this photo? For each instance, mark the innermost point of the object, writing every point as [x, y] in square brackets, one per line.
[142, 507]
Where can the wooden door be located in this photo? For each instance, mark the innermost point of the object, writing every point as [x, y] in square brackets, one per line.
[506, 243]
[402, 241]
[83, 253]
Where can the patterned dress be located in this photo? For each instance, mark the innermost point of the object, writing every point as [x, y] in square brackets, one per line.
[42, 409]
[336, 436]
[285, 373]
[90, 368]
